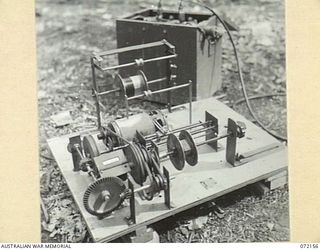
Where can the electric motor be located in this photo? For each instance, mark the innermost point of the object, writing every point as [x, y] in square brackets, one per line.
[127, 128]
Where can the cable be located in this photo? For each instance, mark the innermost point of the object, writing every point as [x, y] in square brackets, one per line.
[256, 97]
[243, 87]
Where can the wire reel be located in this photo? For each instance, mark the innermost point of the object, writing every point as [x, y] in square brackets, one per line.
[182, 149]
[133, 85]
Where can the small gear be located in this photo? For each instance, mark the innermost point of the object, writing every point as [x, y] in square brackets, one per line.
[104, 196]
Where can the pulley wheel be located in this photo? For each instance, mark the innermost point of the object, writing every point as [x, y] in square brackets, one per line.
[192, 154]
[144, 80]
[91, 150]
[104, 196]
[115, 141]
[177, 156]
[90, 147]
[137, 169]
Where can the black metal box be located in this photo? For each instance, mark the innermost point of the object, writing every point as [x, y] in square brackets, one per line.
[199, 58]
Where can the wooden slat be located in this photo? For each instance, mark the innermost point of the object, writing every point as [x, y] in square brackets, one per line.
[282, 174]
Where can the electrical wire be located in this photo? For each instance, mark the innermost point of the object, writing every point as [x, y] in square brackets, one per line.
[256, 97]
[243, 87]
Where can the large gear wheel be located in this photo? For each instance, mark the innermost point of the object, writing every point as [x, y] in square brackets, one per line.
[104, 196]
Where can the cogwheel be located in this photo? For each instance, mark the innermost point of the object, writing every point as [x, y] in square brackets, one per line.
[104, 196]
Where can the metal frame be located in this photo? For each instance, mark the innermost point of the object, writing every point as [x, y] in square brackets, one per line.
[96, 64]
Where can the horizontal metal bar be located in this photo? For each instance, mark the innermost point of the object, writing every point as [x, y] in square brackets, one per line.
[178, 129]
[213, 139]
[260, 150]
[134, 63]
[107, 92]
[157, 80]
[166, 155]
[202, 130]
[160, 91]
[130, 48]
[171, 88]
[142, 188]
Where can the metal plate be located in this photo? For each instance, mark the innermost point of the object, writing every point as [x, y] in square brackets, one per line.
[231, 142]
[212, 133]
[178, 157]
[75, 140]
[192, 155]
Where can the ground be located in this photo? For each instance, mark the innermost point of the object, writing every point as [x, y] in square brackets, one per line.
[69, 30]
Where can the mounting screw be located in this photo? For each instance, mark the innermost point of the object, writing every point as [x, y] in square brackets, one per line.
[241, 130]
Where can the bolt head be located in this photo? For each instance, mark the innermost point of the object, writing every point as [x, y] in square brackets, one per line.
[241, 129]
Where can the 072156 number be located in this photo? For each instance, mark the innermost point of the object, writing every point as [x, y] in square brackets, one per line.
[309, 245]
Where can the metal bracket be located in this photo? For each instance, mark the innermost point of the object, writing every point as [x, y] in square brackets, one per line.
[231, 142]
[212, 133]
[167, 200]
[132, 217]
[141, 138]
[75, 142]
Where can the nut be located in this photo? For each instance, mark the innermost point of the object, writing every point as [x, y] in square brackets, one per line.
[241, 130]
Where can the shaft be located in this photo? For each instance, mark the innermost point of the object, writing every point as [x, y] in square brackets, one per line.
[135, 63]
[192, 133]
[154, 136]
[213, 139]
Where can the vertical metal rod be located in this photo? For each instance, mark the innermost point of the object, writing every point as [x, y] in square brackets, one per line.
[127, 105]
[132, 217]
[95, 92]
[169, 84]
[190, 102]
[167, 199]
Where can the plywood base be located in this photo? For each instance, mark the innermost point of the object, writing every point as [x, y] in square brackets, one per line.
[211, 178]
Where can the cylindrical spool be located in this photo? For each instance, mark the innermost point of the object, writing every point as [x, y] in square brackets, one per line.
[191, 150]
[127, 127]
[177, 157]
[133, 85]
